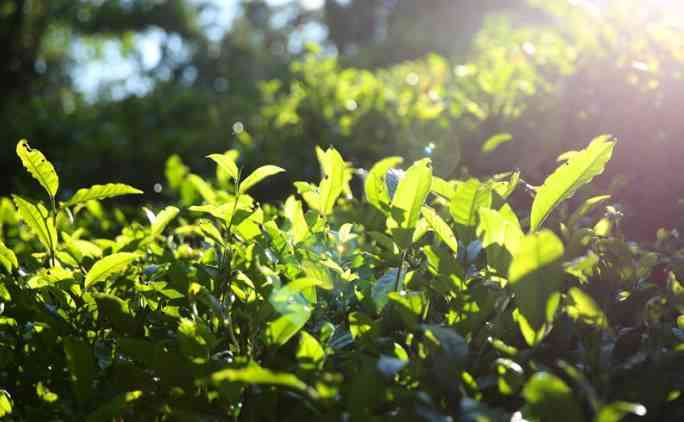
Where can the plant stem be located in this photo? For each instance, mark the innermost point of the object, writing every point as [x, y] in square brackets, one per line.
[401, 267]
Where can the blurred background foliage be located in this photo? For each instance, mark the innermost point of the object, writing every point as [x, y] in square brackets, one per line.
[480, 86]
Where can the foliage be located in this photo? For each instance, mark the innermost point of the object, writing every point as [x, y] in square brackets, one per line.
[424, 301]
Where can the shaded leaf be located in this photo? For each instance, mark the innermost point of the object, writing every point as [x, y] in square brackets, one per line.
[82, 367]
[550, 399]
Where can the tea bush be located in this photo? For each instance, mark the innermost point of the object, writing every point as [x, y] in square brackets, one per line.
[420, 299]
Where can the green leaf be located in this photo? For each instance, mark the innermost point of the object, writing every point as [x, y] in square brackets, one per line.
[536, 276]
[361, 325]
[616, 411]
[295, 214]
[162, 219]
[332, 185]
[7, 258]
[281, 330]
[5, 403]
[309, 349]
[550, 399]
[408, 200]
[82, 367]
[285, 293]
[441, 228]
[410, 305]
[585, 309]
[382, 288]
[108, 266]
[255, 374]
[98, 192]
[227, 164]
[175, 171]
[443, 188]
[375, 186]
[451, 344]
[586, 207]
[470, 197]
[80, 248]
[258, 175]
[40, 168]
[495, 141]
[113, 312]
[501, 235]
[115, 407]
[38, 220]
[576, 172]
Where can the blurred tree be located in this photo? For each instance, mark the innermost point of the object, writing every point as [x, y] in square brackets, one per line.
[382, 32]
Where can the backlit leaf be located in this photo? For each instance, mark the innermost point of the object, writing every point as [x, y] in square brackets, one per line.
[98, 192]
[38, 220]
[258, 175]
[577, 171]
[40, 168]
[441, 228]
[332, 185]
[375, 187]
[536, 276]
[226, 163]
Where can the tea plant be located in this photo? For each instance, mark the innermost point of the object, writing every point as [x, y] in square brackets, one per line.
[430, 299]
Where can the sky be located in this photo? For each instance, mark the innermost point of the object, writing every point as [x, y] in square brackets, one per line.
[91, 73]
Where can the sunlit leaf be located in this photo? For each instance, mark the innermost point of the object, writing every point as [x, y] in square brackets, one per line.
[254, 374]
[408, 200]
[5, 403]
[332, 185]
[576, 172]
[441, 228]
[7, 258]
[495, 141]
[258, 175]
[226, 163]
[585, 309]
[535, 275]
[294, 212]
[281, 330]
[309, 349]
[98, 192]
[375, 187]
[37, 218]
[616, 411]
[40, 168]
[162, 219]
[108, 266]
